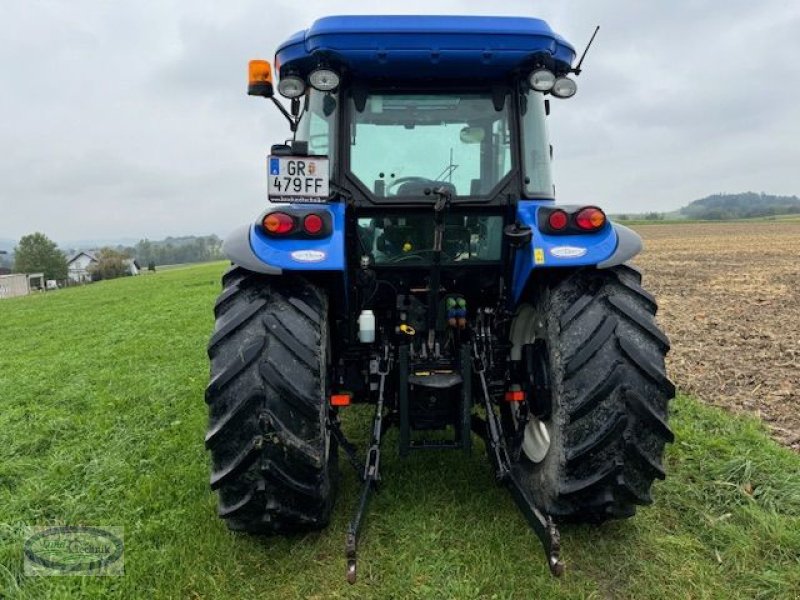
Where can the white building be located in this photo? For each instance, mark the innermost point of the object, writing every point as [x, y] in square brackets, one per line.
[14, 285]
[20, 284]
[78, 267]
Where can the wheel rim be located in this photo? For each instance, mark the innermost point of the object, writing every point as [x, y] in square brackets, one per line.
[536, 440]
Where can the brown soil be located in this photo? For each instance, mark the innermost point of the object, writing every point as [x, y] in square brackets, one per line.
[729, 297]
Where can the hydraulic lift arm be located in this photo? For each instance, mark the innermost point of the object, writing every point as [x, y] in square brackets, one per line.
[542, 525]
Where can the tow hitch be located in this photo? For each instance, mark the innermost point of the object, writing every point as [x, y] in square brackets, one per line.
[489, 429]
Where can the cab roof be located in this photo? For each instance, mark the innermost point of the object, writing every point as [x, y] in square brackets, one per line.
[392, 48]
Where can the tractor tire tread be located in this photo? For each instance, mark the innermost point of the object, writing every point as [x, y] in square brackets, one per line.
[608, 373]
[274, 465]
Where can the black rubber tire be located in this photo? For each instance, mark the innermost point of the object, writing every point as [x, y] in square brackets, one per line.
[274, 464]
[610, 394]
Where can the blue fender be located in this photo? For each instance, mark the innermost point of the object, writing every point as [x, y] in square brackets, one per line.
[251, 248]
[612, 245]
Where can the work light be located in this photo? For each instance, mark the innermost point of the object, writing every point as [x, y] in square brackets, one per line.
[324, 80]
[542, 80]
[564, 87]
[292, 86]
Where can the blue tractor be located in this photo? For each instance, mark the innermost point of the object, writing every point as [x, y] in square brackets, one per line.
[411, 255]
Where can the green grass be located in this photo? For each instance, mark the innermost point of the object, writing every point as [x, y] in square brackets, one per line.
[102, 422]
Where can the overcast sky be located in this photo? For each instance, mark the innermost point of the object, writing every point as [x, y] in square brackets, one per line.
[130, 119]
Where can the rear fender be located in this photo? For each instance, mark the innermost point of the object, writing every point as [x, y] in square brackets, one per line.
[612, 245]
[249, 247]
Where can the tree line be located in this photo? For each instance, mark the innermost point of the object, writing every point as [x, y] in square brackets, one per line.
[177, 250]
[36, 253]
[747, 205]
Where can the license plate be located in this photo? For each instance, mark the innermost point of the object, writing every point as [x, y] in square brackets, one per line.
[298, 179]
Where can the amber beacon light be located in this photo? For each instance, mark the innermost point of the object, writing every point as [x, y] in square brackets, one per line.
[259, 79]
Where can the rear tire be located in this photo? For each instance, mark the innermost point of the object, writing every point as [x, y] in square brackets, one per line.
[610, 391]
[274, 463]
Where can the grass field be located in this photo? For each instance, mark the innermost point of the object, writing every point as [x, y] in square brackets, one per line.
[102, 423]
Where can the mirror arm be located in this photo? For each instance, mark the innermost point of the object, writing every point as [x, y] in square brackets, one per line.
[285, 113]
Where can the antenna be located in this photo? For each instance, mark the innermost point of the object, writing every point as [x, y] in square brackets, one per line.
[577, 69]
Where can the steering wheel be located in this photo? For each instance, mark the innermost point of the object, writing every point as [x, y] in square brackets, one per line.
[397, 182]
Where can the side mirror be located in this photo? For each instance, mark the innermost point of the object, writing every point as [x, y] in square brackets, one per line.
[472, 135]
[260, 79]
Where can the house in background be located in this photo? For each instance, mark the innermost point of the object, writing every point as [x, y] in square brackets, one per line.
[78, 267]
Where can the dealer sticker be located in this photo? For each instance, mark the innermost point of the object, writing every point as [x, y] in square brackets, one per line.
[298, 179]
[567, 251]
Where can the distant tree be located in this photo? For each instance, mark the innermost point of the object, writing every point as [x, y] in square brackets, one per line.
[37, 253]
[175, 250]
[110, 264]
[654, 216]
[151, 266]
[622, 217]
[745, 205]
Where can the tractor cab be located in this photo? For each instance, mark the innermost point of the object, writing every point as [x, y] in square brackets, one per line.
[401, 115]
[405, 105]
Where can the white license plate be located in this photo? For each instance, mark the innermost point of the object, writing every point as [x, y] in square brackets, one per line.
[298, 179]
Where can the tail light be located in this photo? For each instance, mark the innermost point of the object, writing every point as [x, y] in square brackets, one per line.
[558, 220]
[278, 223]
[313, 224]
[590, 218]
[297, 224]
[571, 220]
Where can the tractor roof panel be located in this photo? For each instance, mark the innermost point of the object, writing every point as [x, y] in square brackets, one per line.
[423, 47]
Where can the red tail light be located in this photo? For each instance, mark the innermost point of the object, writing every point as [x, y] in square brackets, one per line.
[313, 224]
[590, 219]
[558, 220]
[278, 223]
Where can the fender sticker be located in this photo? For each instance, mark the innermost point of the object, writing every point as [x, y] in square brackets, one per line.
[567, 251]
[538, 256]
[308, 256]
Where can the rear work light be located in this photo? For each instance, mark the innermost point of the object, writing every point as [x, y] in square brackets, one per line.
[278, 223]
[590, 218]
[558, 220]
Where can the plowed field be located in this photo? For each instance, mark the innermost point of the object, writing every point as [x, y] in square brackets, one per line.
[729, 298]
